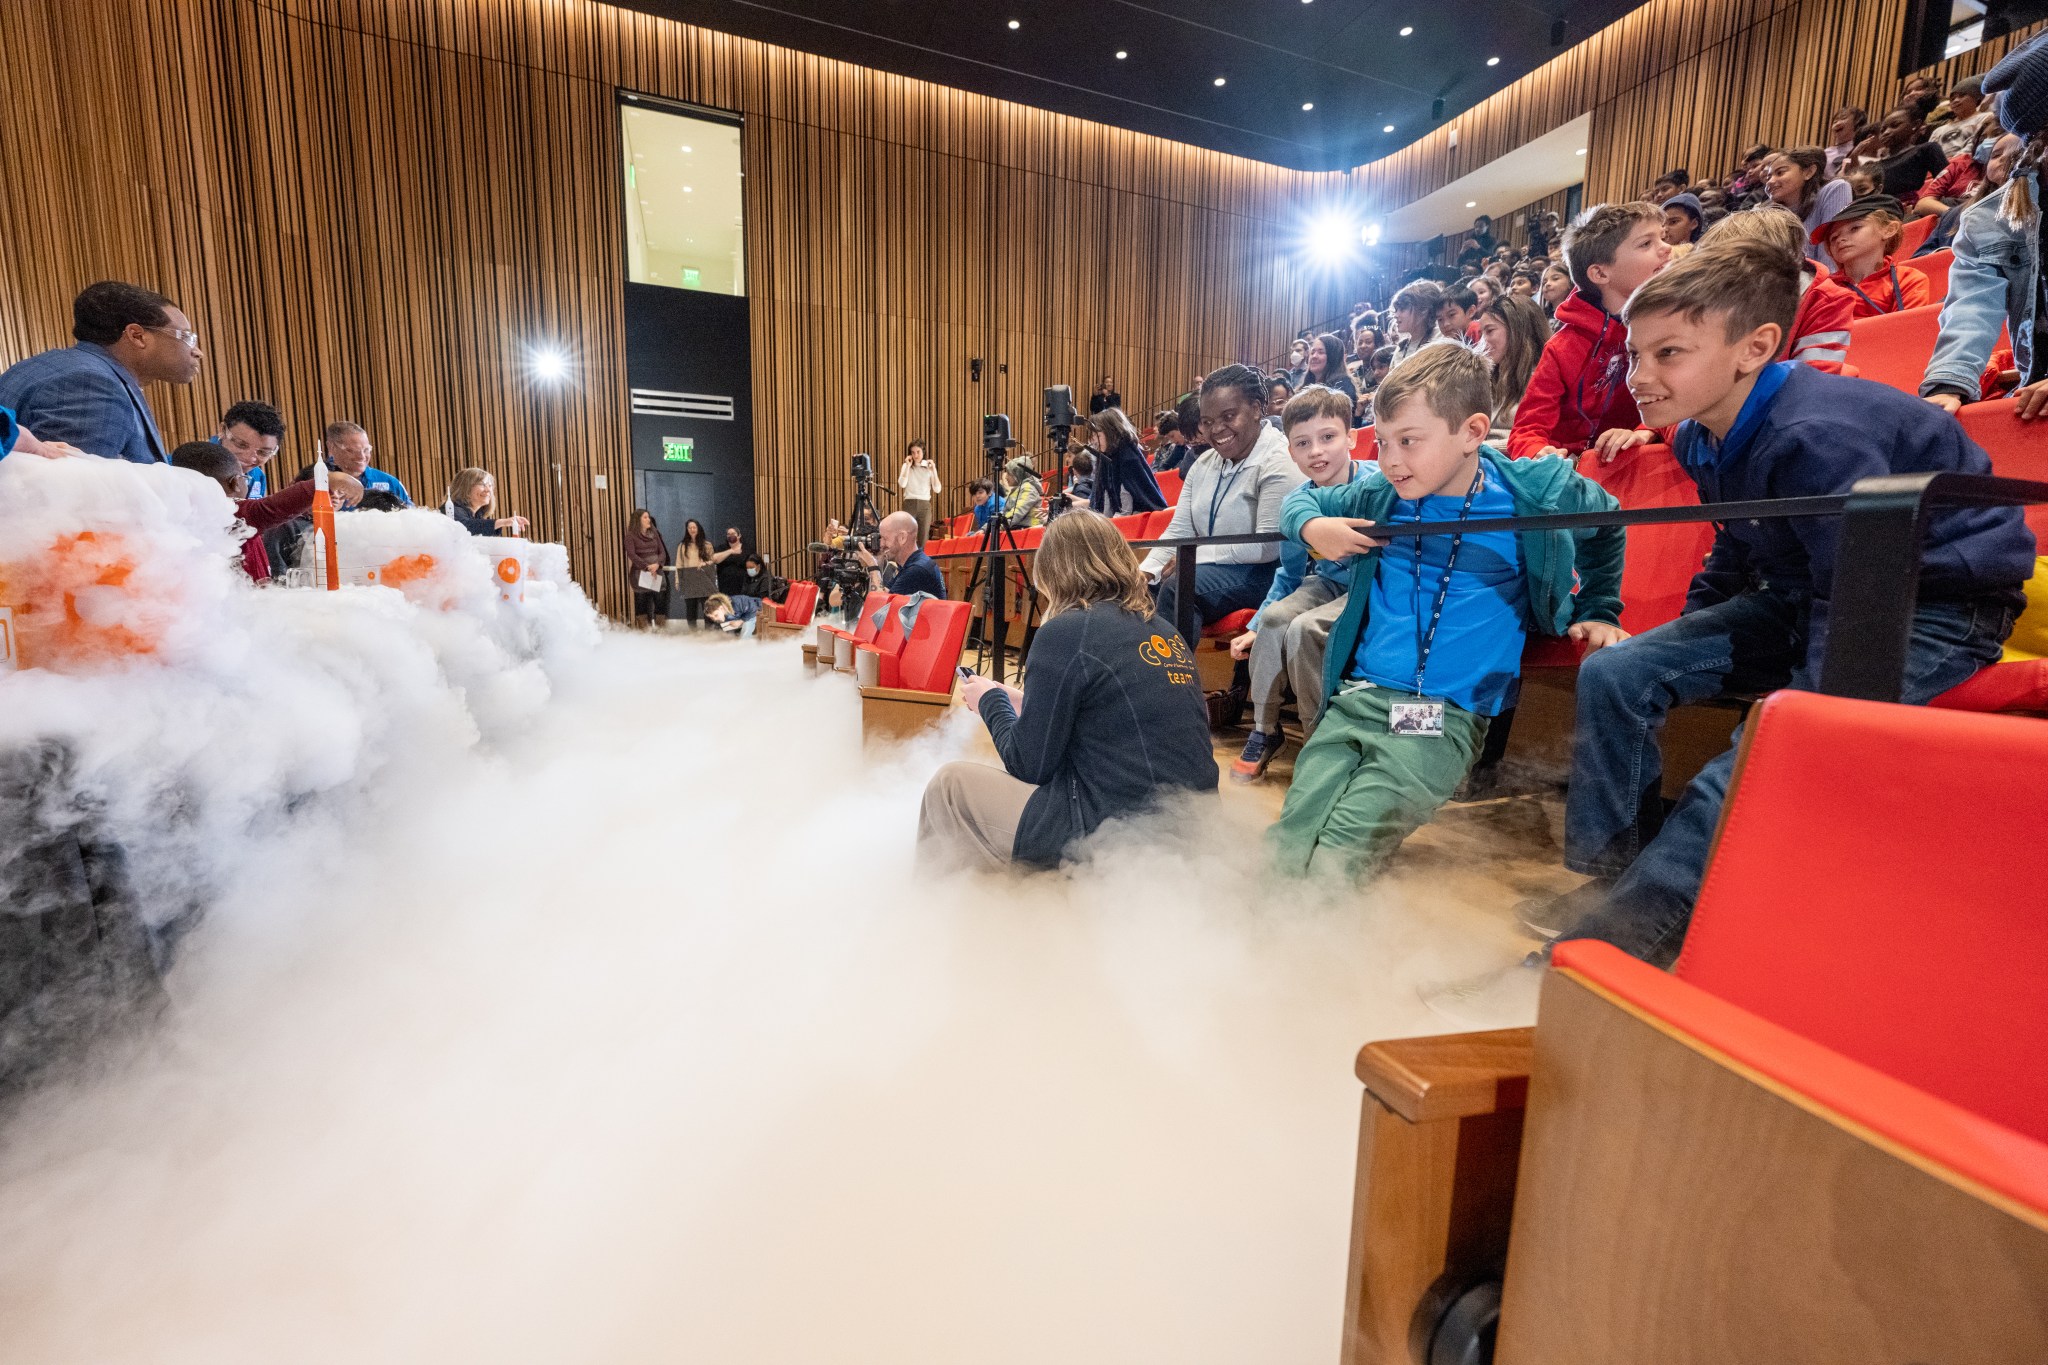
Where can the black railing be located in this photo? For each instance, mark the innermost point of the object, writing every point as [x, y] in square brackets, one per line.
[1877, 576]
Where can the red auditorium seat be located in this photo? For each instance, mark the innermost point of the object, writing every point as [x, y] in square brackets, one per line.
[1156, 523]
[1894, 349]
[794, 611]
[866, 624]
[1661, 560]
[1169, 485]
[1934, 265]
[1132, 526]
[1917, 231]
[1858, 1001]
[888, 640]
[915, 687]
[1227, 628]
[2018, 450]
[1364, 444]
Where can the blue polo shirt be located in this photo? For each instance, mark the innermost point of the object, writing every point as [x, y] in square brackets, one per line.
[373, 477]
[1477, 655]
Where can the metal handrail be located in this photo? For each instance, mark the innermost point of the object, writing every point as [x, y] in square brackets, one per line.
[1870, 615]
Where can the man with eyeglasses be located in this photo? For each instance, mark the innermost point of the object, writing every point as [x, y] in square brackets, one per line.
[251, 431]
[90, 395]
[349, 450]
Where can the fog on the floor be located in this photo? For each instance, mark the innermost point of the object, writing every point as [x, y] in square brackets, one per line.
[564, 998]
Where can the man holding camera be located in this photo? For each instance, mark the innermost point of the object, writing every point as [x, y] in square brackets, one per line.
[915, 571]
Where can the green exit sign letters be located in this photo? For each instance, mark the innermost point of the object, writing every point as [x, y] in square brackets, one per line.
[678, 449]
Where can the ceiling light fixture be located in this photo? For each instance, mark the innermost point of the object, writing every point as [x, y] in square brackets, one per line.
[1370, 233]
[688, 190]
[1306, 107]
[1493, 61]
[1219, 80]
[1121, 54]
[686, 146]
[1471, 203]
[549, 363]
[1580, 152]
[1388, 129]
[1407, 30]
[1015, 24]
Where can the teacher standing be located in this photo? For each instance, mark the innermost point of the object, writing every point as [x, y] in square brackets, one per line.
[919, 480]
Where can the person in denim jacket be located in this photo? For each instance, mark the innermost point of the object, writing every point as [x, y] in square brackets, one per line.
[1996, 277]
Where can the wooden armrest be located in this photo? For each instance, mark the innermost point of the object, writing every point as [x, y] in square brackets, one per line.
[1450, 1076]
[905, 694]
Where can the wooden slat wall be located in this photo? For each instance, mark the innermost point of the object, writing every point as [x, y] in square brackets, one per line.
[1680, 83]
[373, 207]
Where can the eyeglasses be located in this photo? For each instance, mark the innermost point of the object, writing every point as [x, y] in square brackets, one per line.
[190, 338]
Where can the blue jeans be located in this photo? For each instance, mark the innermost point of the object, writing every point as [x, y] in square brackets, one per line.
[1612, 816]
[1220, 589]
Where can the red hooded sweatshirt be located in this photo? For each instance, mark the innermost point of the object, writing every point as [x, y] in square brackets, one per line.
[260, 514]
[1580, 387]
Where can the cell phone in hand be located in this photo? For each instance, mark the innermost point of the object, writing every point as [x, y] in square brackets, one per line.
[965, 671]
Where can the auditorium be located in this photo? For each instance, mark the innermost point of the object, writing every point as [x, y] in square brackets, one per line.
[1315, 682]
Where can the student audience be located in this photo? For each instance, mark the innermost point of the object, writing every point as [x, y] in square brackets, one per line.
[1326, 365]
[251, 431]
[1820, 329]
[1428, 647]
[1512, 335]
[1123, 482]
[1110, 721]
[1578, 398]
[1287, 634]
[1994, 282]
[1863, 238]
[1797, 179]
[1704, 336]
[1684, 220]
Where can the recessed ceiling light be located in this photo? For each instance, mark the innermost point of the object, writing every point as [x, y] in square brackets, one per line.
[1407, 30]
[688, 190]
[1121, 54]
[1015, 24]
[1493, 61]
[1388, 129]
[1306, 107]
[1580, 152]
[686, 147]
[1471, 203]
[1219, 80]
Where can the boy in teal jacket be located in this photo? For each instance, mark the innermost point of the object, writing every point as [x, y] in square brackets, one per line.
[1429, 647]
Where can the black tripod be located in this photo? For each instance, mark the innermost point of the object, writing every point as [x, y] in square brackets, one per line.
[991, 580]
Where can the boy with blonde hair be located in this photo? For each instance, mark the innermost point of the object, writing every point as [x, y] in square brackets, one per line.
[1429, 645]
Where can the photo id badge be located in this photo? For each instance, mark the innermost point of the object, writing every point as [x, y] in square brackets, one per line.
[1416, 718]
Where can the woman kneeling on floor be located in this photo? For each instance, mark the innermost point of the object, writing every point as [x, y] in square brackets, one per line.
[1110, 720]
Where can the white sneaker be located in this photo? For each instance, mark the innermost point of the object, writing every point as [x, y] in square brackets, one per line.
[1502, 998]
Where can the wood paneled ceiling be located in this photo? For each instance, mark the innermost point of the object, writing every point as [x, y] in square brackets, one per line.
[1347, 58]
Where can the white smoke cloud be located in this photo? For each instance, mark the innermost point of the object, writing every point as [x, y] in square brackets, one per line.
[599, 1016]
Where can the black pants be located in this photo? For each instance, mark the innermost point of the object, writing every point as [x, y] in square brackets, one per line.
[650, 603]
[693, 609]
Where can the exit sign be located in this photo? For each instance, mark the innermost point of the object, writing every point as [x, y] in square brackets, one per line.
[678, 449]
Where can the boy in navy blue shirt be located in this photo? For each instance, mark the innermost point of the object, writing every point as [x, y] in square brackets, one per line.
[1701, 340]
[1429, 647]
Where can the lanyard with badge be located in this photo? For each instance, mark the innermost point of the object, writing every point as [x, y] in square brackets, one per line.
[1423, 717]
[1898, 299]
[1223, 487]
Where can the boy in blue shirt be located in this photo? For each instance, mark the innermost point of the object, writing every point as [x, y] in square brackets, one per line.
[1429, 647]
[1290, 631]
[1701, 339]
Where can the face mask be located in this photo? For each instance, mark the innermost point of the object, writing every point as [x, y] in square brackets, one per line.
[753, 573]
[1982, 156]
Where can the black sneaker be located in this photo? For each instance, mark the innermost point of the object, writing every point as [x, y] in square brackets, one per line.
[1549, 916]
[1259, 752]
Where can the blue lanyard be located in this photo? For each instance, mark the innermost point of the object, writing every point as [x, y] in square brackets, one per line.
[1897, 298]
[1425, 642]
[1223, 486]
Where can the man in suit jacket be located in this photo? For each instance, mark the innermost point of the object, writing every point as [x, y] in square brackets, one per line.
[90, 395]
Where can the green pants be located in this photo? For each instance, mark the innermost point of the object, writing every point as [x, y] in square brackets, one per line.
[1358, 791]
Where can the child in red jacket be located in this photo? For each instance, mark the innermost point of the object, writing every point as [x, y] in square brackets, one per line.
[1820, 330]
[1578, 398]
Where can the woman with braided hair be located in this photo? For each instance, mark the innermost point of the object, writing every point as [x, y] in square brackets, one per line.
[1996, 278]
[1235, 488]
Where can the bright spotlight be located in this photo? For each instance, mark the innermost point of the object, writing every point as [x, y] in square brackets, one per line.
[549, 363]
[1370, 233]
[1328, 238]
